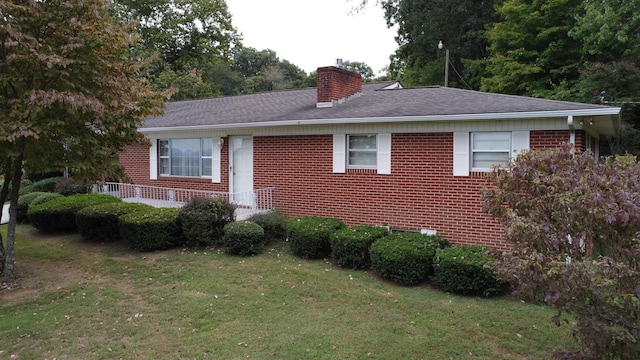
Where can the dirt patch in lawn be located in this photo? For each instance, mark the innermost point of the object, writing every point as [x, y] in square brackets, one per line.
[36, 276]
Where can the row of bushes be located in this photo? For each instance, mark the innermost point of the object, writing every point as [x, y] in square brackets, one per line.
[407, 258]
[404, 257]
[201, 222]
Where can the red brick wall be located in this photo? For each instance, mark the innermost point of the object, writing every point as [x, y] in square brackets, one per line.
[549, 139]
[335, 83]
[420, 193]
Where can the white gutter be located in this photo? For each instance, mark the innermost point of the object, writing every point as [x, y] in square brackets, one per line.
[430, 118]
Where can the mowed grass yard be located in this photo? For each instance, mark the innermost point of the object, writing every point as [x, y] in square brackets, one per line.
[81, 300]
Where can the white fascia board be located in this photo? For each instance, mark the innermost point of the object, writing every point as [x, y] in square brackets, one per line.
[392, 119]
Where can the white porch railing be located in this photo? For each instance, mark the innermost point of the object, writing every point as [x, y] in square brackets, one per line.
[257, 200]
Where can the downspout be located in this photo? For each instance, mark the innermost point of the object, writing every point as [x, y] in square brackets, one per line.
[572, 130]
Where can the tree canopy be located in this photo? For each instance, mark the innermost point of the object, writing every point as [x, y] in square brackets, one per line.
[71, 93]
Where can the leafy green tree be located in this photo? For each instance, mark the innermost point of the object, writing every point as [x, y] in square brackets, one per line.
[574, 226]
[71, 94]
[608, 30]
[186, 37]
[361, 68]
[264, 71]
[531, 51]
[460, 25]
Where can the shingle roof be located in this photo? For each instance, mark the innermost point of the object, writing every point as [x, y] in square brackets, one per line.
[291, 105]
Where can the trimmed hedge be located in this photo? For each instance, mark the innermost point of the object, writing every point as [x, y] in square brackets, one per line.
[244, 238]
[203, 219]
[59, 214]
[151, 229]
[465, 270]
[100, 222]
[44, 185]
[309, 236]
[273, 224]
[23, 205]
[405, 257]
[350, 247]
[43, 198]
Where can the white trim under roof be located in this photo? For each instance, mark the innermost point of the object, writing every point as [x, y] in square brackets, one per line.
[457, 117]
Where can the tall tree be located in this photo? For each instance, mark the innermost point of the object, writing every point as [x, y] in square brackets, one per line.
[531, 50]
[189, 38]
[264, 71]
[460, 25]
[610, 35]
[71, 94]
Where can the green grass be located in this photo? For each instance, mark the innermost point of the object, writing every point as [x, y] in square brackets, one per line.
[89, 301]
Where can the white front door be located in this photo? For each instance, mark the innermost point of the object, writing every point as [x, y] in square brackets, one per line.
[241, 169]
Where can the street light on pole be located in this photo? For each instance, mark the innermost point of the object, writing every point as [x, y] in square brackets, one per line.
[446, 63]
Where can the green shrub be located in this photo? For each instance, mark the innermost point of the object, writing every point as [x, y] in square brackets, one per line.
[44, 185]
[23, 205]
[151, 229]
[43, 198]
[70, 186]
[309, 236]
[350, 247]
[464, 270]
[405, 257]
[244, 238]
[273, 224]
[100, 222]
[59, 214]
[203, 220]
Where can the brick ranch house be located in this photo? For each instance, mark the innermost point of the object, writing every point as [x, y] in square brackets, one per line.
[408, 158]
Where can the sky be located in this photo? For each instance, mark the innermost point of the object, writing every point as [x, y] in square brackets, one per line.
[314, 33]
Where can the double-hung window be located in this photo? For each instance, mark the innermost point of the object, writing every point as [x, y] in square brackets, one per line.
[362, 151]
[489, 149]
[185, 157]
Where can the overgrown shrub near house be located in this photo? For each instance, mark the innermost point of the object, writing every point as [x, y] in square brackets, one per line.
[350, 247]
[100, 222]
[309, 236]
[203, 219]
[466, 270]
[273, 223]
[405, 257]
[71, 186]
[44, 185]
[23, 205]
[151, 229]
[59, 214]
[244, 238]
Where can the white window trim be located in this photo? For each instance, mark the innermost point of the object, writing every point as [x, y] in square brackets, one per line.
[520, 142]
[348, 150]
[340, 153]
[472, 151]
[154, 160]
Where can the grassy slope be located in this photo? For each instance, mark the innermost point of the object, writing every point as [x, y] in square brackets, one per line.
[113, 303]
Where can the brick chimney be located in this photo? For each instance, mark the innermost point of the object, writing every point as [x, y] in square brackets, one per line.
[336, 85]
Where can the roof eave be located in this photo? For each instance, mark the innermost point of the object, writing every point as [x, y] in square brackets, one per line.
[613, 112]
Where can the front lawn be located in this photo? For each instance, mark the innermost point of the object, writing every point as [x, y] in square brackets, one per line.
[79, 300]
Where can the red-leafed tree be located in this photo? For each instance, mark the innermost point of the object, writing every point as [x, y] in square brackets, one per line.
[71, 94]
[574, 224]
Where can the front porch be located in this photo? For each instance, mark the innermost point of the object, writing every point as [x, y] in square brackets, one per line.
[246, 203]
